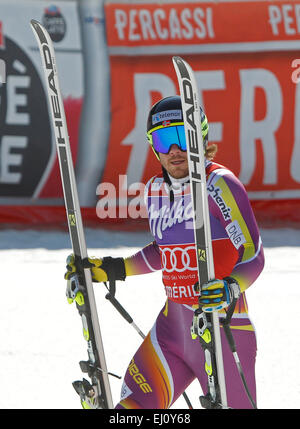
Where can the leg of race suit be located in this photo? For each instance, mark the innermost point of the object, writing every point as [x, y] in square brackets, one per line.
[169, 359]
[155, 376]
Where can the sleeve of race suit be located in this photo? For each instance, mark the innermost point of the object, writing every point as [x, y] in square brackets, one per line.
[230, 204]
[145, 261]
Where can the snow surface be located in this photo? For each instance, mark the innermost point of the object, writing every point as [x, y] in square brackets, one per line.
[41, 338]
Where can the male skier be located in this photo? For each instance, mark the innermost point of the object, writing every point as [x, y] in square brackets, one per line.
[169, 359]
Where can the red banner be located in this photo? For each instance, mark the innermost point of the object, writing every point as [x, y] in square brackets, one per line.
[244, 55]
[165, 24]
[246, 58]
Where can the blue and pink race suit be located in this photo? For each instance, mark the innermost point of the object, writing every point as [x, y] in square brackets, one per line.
[169, 359]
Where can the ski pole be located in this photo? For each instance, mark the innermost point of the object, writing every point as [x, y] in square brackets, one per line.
[226, 326]
[110, 296]
[123, 312]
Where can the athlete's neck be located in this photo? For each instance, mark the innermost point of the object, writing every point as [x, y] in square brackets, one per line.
[175, 181]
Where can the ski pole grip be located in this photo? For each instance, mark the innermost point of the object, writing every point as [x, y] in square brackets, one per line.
[119, 307]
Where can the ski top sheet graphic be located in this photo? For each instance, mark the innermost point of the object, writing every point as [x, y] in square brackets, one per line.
[96, 365]
[191, 112]
[204, 253]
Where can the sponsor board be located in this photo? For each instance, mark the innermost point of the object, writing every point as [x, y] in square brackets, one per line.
[245, 58]
[29, 171]
[246, 73]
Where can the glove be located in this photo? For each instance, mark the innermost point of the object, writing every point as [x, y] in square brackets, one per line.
[218, 294]
[102, 270]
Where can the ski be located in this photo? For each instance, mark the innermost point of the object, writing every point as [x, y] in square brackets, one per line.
[205, 326]
[96, 394]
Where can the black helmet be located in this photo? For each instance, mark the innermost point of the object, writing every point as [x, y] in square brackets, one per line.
[168, 112]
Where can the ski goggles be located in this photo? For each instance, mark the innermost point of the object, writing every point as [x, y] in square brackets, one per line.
[163, 138]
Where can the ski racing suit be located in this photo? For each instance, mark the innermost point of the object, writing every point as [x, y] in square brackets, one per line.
[169, 359]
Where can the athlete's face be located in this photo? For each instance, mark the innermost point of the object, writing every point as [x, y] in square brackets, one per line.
[175, 162]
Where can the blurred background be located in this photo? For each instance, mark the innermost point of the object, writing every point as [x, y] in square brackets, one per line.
[114, 61]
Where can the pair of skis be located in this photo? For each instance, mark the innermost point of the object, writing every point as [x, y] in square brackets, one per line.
[97, 394]
[205, 326]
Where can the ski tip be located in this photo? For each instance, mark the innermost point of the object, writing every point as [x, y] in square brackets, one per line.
[34, 22]
[178, 61]
[176, 58]
[39, 31]
[36, 25]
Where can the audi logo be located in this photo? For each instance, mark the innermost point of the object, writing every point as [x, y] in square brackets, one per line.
[178, 259]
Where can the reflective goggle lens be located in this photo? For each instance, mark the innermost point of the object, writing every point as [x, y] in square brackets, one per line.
[164, 138]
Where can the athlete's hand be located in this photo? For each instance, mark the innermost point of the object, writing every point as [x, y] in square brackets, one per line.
[218, 294]
[99, 274]
[102, 269]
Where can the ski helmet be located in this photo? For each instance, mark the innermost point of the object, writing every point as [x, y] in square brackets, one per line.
[168, 113]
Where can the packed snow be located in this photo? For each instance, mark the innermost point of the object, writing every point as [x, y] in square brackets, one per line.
[41, 340]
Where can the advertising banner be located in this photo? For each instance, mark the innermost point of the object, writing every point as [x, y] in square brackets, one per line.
[246, 57]
[114, 62]
[29, 171]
